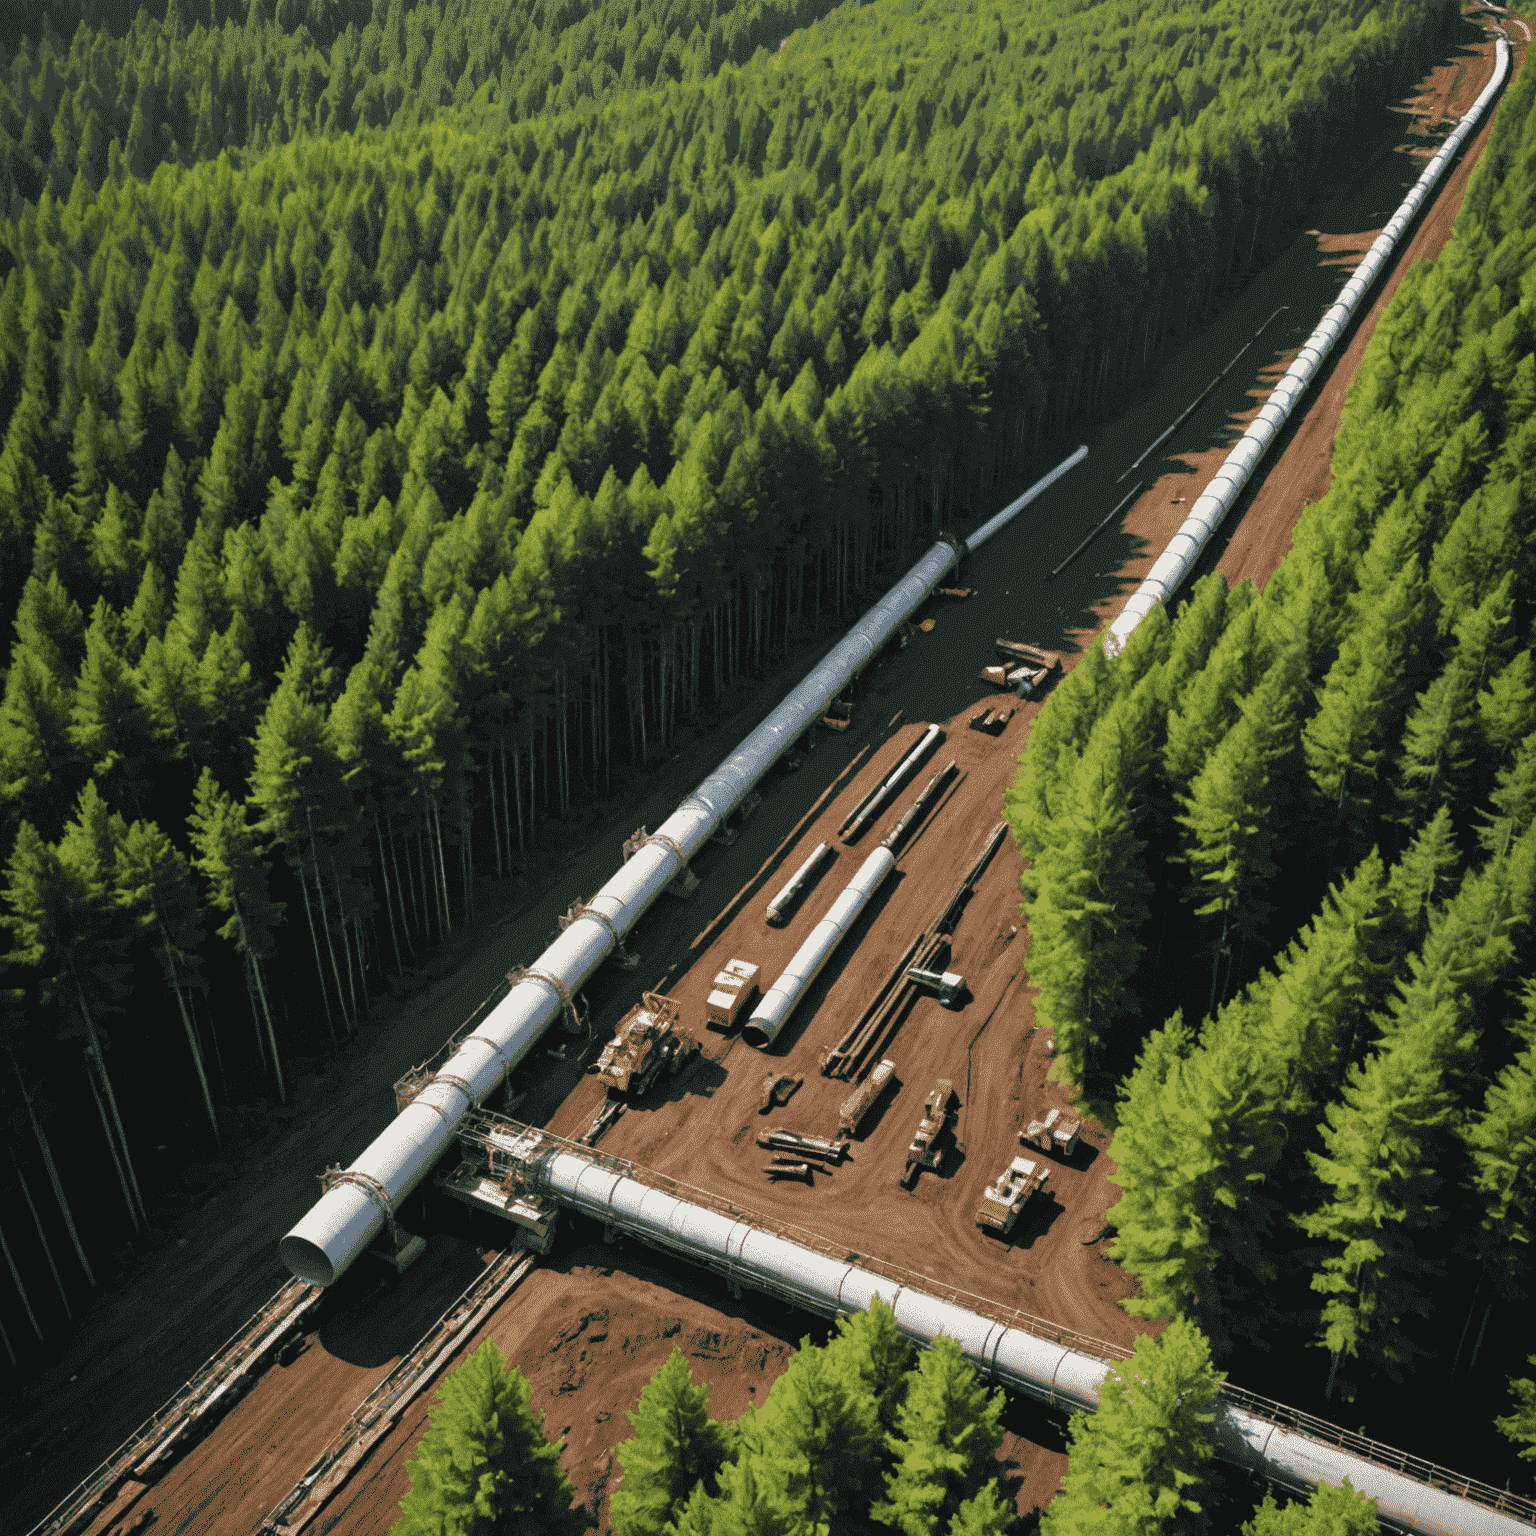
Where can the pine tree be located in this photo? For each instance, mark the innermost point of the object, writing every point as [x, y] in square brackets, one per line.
[1194, 1151]
[946, 1443]
[990, 1513]
[1520, 1426]
[1427, 869]
[814, 1455]
[1380, 1166]
[676, 1446]
[1134, 1468]
[870, 1350]
[1088, 899]
[485, 1465]
[1329, 1511]
[1437, 745]
[226, 849]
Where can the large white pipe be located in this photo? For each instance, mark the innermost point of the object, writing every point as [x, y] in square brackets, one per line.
[352, 1211]
[1254, 1433]
[772, 1013]
[871, 807]
[1213, 504]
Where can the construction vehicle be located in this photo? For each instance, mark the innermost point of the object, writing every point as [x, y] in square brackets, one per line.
[1008, 1194]
[864, 1098]
[777, 1089]
[1055, 1133]
[927, 1149]
[731, 991]
[647, 1040]
[776, 1140]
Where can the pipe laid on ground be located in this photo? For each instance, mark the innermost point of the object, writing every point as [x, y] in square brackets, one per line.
[347, 1217]
[796, 883]
[772, 1013]
[862, 817]
[1218, 498]
[1251, 1432]
[892, 839]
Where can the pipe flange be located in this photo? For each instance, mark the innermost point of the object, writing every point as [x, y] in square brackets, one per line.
[592, 912]
[661, 837]
[500, 1054]
[550, 980]
[378, 1197]
[456, 1082]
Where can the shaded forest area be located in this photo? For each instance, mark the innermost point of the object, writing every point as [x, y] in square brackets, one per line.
[384, 474]
[1307, 819]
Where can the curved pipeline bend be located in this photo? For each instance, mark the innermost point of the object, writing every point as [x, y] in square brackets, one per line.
[1213, 504]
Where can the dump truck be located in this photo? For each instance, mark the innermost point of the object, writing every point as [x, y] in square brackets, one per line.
[647, 1040]
[1009, 1193]
[1055, 1132]
[927, 1148]
[777, 1088]
[730, 992]
[864, 1098]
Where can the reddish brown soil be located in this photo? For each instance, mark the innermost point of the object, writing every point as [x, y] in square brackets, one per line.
[139, 1343]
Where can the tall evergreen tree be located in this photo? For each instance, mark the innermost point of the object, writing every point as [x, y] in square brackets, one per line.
[485, 1465]
[676, 1447]
[1134, 1468]
[1329, 1511]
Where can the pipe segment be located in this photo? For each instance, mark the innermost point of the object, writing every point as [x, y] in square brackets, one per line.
[1050, 1372]
[1226, 485]
[350, 1214]
[772, 1014]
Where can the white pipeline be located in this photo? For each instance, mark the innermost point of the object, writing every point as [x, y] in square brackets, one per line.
[1206, 515]
[1055, 1373]
[359, 1200]
[772, 1014]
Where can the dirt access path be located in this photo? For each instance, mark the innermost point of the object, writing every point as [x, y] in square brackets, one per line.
[218, 1264]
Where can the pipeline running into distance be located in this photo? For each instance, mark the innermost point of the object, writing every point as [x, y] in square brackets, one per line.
[1226, 485]
[360, 1199]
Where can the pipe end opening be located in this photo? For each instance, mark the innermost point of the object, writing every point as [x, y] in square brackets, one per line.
[756, 1036]
[307, 1260]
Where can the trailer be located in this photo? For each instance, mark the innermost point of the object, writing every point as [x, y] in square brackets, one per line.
[1008, 1194]
[864, 1098]
[783, 1168]
[731, 991]
[1055, 1133]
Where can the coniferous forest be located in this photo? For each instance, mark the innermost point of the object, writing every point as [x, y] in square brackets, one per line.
[412, 412]
[1283, 868]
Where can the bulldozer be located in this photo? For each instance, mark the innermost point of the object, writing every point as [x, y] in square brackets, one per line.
[928, 1145]
[646, 1042]
[1009, 1193]
[1054, 1132]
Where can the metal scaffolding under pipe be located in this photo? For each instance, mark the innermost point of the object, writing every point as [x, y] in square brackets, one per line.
[361, 1198]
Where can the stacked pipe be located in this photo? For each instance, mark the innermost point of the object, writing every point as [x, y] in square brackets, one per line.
[919, 809]
[772, 1013]
[353, 1210]
[1218, 498]
[1052, 1372]
[860, 818]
